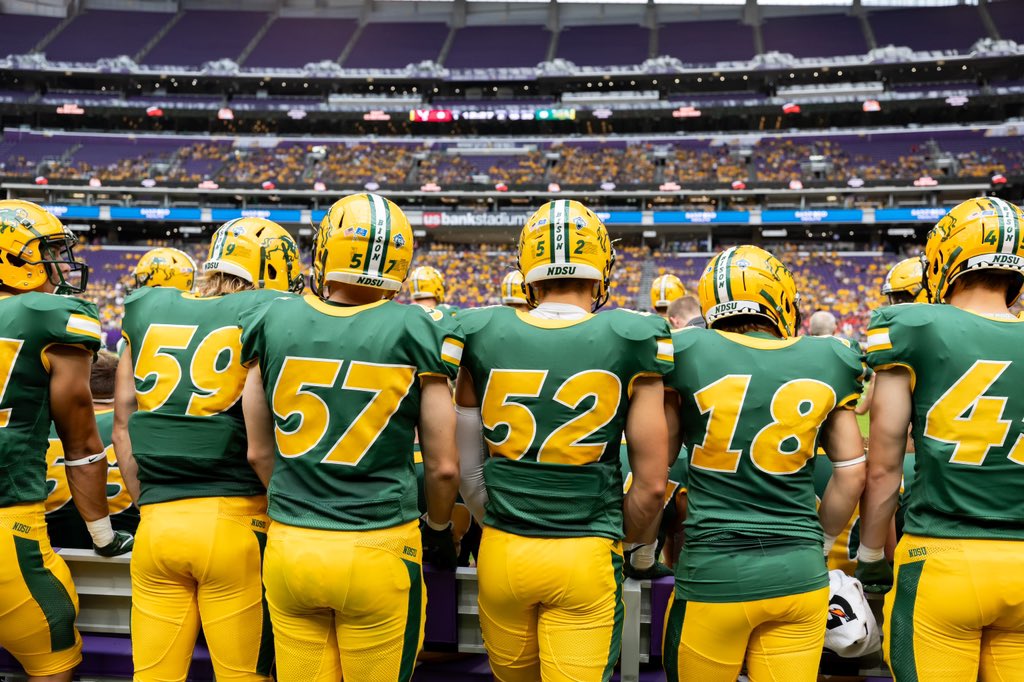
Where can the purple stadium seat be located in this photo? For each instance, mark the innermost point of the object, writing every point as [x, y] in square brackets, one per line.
[293, 42]
[396, 45]
[487, 47]
[1008, 16]
[206, 35]
[22, 32]
[92, 35]
[931, 28]
[821, 35]
[706, 42]
[626, 44]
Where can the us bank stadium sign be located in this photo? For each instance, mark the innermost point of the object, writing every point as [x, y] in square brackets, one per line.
[504, 219]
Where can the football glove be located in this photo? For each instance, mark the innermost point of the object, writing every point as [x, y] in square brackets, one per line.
[875, 576]
[438, 547]
[122, 544]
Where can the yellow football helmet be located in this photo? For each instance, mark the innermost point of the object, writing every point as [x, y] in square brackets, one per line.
[747, 280]
[259, 251]
[664, 290]
[364, 239]
[426, 282]
[984, 233]
[512, 290]
[34, 246]
[904, 281]
[565, 239]
[166, 267]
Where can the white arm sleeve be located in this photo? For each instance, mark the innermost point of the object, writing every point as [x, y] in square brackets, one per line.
[469, 438]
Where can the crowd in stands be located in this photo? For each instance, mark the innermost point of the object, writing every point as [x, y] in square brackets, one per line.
[848, 286]
[771, 159]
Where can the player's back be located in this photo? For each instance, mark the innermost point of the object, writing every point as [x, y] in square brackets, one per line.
[343, 385]
[188, 436]
[554, 395]
[29, 324]
[761, 402]
[967, 377]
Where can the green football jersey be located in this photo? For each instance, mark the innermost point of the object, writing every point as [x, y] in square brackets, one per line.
[29, 324]
[63, 522]
[967, 418]
[188, 435]
[554, 395]
[751, 408]
[449, 310]
[343, 386]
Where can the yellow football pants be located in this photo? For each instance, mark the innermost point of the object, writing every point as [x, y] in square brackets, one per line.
[956, 610]
[351, 601]
[198, 561]
[550, 608]
[780, 638]
[38, 602]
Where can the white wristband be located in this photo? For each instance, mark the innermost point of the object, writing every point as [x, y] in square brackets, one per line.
[850, 462]
[101, 531]
[830, 540]
[437, 526]
[85, 460]
[870, 554]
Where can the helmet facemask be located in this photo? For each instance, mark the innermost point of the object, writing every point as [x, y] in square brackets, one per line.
[55, 254]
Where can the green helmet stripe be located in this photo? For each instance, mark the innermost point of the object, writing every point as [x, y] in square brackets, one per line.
[1009, 228]
[565, 231]
[551, 231]
[728, 278]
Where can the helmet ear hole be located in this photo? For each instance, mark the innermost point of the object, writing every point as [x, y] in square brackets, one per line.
[272, 271]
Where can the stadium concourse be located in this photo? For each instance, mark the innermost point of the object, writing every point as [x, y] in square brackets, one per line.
[847, 286]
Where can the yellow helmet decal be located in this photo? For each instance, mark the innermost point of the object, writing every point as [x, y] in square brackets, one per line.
[665, 289]
[984, 233]
[166, 267]
[34, 245]
[565, 239]
[747, 280]
[364, 239]
[513, 292]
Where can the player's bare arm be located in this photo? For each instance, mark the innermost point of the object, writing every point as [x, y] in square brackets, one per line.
[647, 444]
[71, 407]
[259, 425]
[886, 449]
[437, 442]
[125, 405]
[845, 447]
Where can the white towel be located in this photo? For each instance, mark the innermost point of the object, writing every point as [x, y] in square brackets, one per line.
[852, 631]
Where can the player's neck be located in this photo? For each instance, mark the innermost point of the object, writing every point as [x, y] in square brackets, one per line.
[980, 300]
[350, 294]
[576, 298]
[429, 302]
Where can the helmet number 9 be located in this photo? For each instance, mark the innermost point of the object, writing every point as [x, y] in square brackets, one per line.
[783, 446]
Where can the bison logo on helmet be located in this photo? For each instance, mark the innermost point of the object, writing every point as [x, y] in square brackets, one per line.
[12, 218]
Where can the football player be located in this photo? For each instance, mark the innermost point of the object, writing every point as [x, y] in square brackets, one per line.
[752, 400]
[513, 292]
[684, 312]
[339, 383]
[664, 290]
[165, 267]
[47, 347]
[65, 524]
[954, 371]
[180, 442]
[426, 287]
[553, 390]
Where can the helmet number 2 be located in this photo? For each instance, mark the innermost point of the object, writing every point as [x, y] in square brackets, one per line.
[9, 349]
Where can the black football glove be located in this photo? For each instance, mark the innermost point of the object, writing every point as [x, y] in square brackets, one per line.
[438, 547]
[875, 576]
[122, 544]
